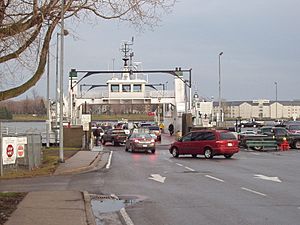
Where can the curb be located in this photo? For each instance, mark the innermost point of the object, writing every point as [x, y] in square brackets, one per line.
[90, 218]
[92, 166]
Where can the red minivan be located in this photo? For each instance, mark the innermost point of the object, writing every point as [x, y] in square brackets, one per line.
[206, 142]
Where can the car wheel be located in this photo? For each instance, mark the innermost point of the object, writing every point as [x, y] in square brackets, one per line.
[208, 154]
[194, 155]
[257, 148]
[175, 152]
[297, 144]
[126, 149]
[102, 141]
[153, 151]
[228, 156]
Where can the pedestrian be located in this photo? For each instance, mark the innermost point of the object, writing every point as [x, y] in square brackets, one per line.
[96, 133]
[171, 129]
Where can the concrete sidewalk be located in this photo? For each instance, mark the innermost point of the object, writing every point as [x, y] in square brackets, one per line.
[53, 208]
[81, 161]
[66, 207]
[61, 207]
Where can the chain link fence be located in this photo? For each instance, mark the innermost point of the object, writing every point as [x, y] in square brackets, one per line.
[28, 154]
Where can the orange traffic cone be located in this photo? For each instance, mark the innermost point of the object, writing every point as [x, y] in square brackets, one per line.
[284, 146]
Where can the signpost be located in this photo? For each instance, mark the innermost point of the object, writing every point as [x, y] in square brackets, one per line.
[85, 121]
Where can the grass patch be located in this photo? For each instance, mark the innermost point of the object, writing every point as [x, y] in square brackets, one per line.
[9, 194]
[29, 117]
[8, 203]
[48, 166]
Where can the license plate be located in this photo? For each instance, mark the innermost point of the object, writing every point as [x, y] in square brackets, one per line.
[229, 144]
[145, 146]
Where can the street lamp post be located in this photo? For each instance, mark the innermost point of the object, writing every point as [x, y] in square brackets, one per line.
[219, 109]
[61, 135]
[48, 123]
[276, 99]
[65, 33]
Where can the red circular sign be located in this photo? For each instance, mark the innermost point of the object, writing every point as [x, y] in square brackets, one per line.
[20, 150]
[151, 113]
[9, 150]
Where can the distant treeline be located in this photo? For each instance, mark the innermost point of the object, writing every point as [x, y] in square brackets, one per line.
[26, 106]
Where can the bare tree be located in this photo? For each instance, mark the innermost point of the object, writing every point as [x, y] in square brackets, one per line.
[26, 29]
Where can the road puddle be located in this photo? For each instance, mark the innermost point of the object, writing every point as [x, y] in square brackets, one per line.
[104, 207]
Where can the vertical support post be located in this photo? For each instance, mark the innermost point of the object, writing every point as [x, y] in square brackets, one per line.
[276, 99]
[219, 109]
[61, 131]
[85, 132]
[48, 100]
[57, 89]
[190, 86]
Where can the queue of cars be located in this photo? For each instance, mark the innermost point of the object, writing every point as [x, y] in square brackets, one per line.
[209, 143]
[141, 138]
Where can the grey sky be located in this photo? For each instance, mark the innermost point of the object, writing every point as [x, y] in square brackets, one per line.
[260, 40]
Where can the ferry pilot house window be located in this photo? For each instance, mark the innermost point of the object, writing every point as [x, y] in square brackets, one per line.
[126, 87]
[137, 88]
[114, 88]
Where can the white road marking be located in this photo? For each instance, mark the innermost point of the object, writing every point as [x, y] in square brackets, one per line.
[179, 164]
[214, 178]
[126, 217]
[168, 160]
[188, 168]
[255, 153]
[254, 192]
[109, 160]
[263, 177]
[157, 177]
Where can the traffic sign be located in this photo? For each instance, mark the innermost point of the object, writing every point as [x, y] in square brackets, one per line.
[20, 151]
[9, 146]
[151, 113]
[9, 150]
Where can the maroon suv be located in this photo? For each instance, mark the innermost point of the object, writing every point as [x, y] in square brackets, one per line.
[206, 142]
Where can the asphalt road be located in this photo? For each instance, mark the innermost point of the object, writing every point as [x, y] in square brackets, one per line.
[251, 188]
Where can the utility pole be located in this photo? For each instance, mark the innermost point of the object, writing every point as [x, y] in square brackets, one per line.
[61, 128]
[276, 98]
[219, 109]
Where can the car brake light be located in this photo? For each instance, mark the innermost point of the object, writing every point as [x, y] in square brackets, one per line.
[136, 141]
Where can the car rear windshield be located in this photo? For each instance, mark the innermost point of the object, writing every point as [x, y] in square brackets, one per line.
[227, 136]
[153, 128]
[119, 132]
[294, 127]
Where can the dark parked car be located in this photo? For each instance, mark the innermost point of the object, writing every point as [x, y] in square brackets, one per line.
[140, 142]
[279, 133]
[115, 136]
[206, 142]
[293, 127]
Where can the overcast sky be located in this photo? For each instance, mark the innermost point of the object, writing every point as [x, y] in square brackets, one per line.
[260, 40]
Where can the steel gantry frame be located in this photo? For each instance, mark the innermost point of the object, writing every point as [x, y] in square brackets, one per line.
[178, 72]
